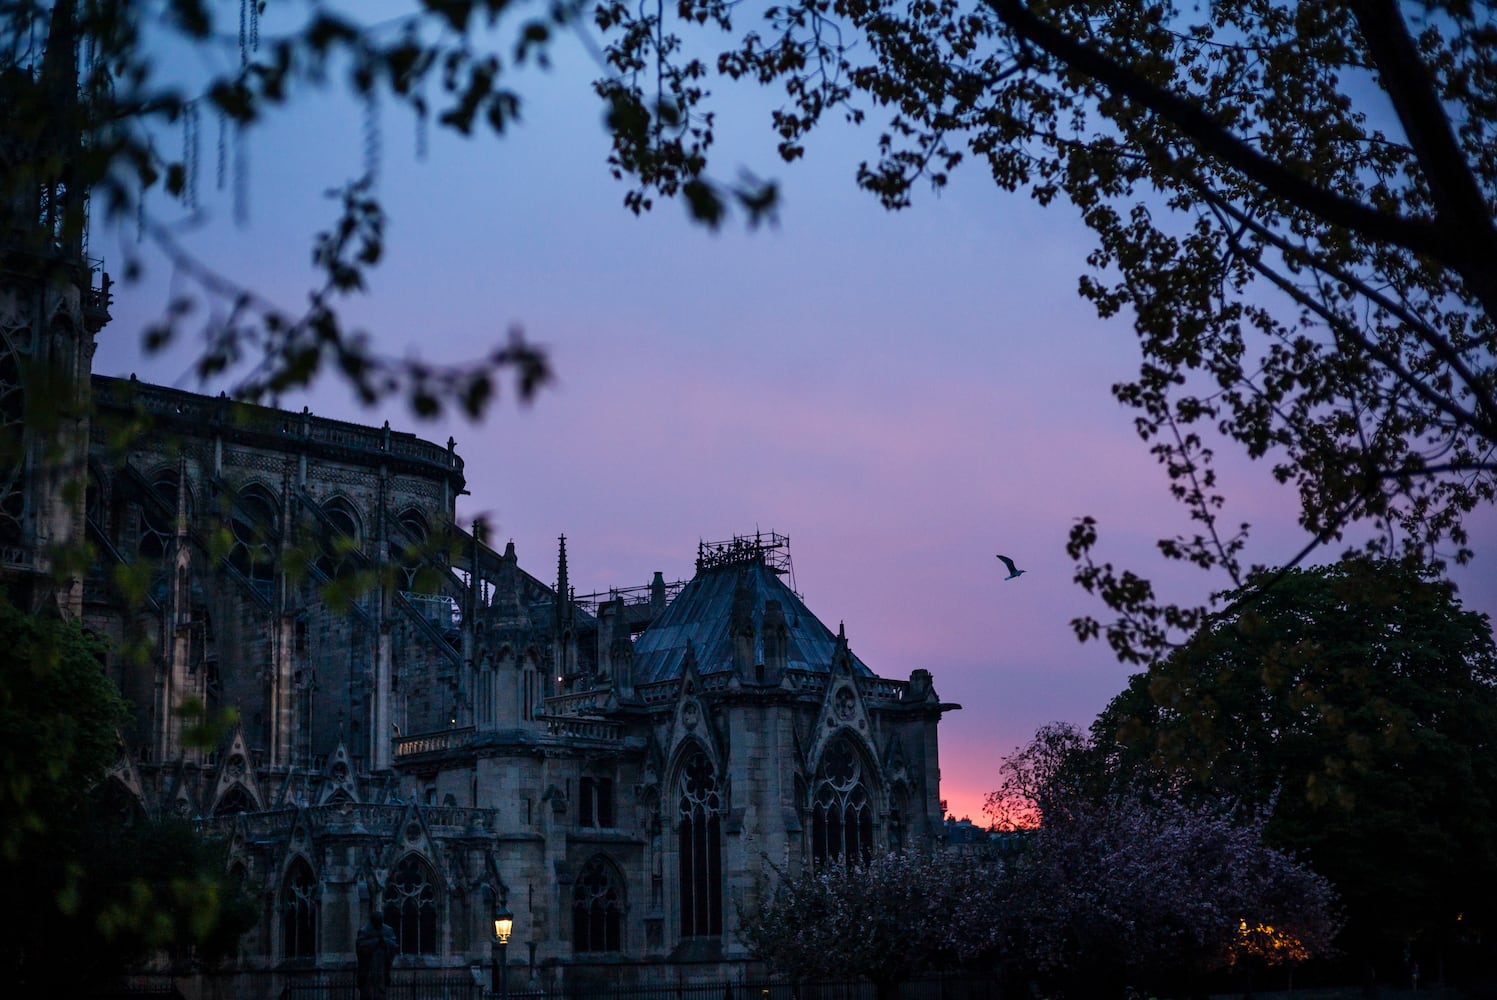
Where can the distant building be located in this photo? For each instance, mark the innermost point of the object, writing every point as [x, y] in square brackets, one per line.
[425, 726]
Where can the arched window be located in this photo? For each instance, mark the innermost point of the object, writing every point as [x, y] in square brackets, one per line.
[841, 811]
[299, 911]
[158, 522]
[118, 802]
[236, 800]
[597, 907]
[700, 848]
[253, 525]
[411, 906]
[344, 538]
[408, 552]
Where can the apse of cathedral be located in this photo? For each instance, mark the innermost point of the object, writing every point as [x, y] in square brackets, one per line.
[424, 727]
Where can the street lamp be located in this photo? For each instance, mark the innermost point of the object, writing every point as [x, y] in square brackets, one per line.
[504, 923]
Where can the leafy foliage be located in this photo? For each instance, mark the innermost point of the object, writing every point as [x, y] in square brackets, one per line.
[1035, 778]
[94, 131]
[59, 722]
[1127, 888]
[1126, 884]
[1358, 701]
[1292, 202]
[885, 919]
[92, 884]
[1133, 889]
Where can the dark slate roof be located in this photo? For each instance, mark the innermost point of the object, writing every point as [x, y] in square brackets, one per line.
[702, 613]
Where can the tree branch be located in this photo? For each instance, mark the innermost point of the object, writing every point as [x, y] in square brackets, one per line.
[1460, 209]
[1418, 235]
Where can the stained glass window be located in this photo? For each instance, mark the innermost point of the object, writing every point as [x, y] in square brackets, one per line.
[700, 848]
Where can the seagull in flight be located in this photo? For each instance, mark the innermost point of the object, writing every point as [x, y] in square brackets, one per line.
[1013, 571]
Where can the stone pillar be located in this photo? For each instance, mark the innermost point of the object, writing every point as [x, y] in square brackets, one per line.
[741, 625]
[381, 708]
[282, 694]
[609, 618]
[776, 644]
[621, 654]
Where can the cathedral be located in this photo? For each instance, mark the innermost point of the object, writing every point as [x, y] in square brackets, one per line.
[422, 726]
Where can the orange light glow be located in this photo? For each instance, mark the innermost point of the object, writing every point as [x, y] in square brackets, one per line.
[1268, 945]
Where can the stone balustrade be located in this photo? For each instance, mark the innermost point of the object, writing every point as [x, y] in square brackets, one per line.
[445, 739]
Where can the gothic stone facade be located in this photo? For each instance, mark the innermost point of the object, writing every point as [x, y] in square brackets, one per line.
[423, 725]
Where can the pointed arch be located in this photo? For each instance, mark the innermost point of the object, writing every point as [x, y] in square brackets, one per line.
[299, 900]
[158, 527]
[409, 554]
[254, 527]
[699, 810]
[346, 536]
[411, 905]
[598, 907]
[119, 801]
[842, 803]
[235, 799]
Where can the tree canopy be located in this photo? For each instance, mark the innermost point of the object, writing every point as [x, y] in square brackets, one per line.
[1293, 203]
[886, 918]
[93, 884]
[1358, 704]
[1149, 891]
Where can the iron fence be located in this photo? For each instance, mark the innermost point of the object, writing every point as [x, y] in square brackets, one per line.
[407, 985]
[425, 985]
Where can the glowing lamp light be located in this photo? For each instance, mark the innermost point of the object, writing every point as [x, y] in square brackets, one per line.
[504, 923]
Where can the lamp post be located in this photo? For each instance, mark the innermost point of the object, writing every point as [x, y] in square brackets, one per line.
[504, 923]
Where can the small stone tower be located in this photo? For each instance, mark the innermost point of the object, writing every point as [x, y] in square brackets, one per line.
[53, 301]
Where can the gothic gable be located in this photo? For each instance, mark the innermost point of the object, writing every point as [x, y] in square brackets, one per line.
[340, 785]
[842, 709]
[125, 772]
[412, 836]
[236, 789]
[690, 723]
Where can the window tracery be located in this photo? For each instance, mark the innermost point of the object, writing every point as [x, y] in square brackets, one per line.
[346, 538]
[597, 908]
[158, 526]
[411, 906]
[299, 911]
[253, 524]
[408, 554]
[236, 800]
[841, 808]
[700, 848]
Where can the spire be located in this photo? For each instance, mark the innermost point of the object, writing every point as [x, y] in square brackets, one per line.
[563, 588]
[563, 638]
[842, 654]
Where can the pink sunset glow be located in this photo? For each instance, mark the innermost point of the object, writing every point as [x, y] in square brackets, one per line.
[903, 395]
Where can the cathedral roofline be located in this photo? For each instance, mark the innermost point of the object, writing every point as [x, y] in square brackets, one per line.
[198, 415]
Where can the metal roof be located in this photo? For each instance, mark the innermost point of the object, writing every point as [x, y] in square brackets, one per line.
[702, 613]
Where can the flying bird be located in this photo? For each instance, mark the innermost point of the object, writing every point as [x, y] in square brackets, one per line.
[1013, 571]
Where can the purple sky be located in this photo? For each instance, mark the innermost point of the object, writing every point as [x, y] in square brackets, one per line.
[904, 395]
